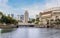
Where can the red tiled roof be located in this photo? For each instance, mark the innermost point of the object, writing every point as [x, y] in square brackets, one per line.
[48, 12]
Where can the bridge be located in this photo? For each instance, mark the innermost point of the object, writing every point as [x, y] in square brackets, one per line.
[25, 25]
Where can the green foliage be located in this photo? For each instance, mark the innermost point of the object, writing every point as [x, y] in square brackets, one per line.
[7, 19]
[33, 20]
[37, 19]
[1, 13]
[36, 22]
[29, 21]
[57, 21]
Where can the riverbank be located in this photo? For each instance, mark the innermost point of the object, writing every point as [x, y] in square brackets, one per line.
[48, 26]
[6, 30]
[37, 26]
[7, 26]
[32, 33]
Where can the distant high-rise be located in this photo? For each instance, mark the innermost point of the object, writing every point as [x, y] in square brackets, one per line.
[26, 17]
[22, 18]
[19, 21]
[18, 17]
[9, 15]
[12, 15]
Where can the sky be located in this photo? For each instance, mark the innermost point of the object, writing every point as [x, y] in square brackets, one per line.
[34, 7]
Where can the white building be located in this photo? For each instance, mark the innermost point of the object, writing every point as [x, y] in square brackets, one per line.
[50, 14]
[26, 17]
[23, 18]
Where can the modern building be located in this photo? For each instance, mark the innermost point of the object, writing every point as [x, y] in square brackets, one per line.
[12, 15]
[26, 17]
[22, 18]
[18, 17]
[19, 21]
[9, 15]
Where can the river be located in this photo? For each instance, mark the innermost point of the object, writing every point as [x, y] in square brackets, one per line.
[29, 32]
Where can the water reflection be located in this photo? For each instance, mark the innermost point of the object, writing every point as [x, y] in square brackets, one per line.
[32, 33]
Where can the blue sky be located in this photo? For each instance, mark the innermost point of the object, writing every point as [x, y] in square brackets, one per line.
[20, 3]
[33, 7]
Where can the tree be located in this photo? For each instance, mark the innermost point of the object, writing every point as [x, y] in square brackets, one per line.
[33, 20]
[1, 13]
[36, 22]
[29, 21]
[37, 19]
[57, 21]
[8, 20]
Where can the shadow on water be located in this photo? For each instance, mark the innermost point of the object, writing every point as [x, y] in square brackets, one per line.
[12, 29]
[47, 26]
[24, 26]
[30, 32]
[7, 30]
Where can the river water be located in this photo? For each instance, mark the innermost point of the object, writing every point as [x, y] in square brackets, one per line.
[29, 32]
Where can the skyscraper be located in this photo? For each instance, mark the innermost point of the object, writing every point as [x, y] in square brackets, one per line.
[18, 17]
[22, 18]
[12, 15]
[19, 21]
[9, 15]
[26, 17]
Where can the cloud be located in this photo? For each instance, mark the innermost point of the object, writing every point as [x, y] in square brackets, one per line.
[52, 3]
[5, 8]
[32, 9]
[37, 8]
[3, 1]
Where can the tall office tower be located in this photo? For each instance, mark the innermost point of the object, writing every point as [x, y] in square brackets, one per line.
[18, 17]
[22, 18]
[12, 15]
[9, 15]
[26, 17]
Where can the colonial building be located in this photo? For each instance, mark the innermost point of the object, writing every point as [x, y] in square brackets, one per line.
[48, 15]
